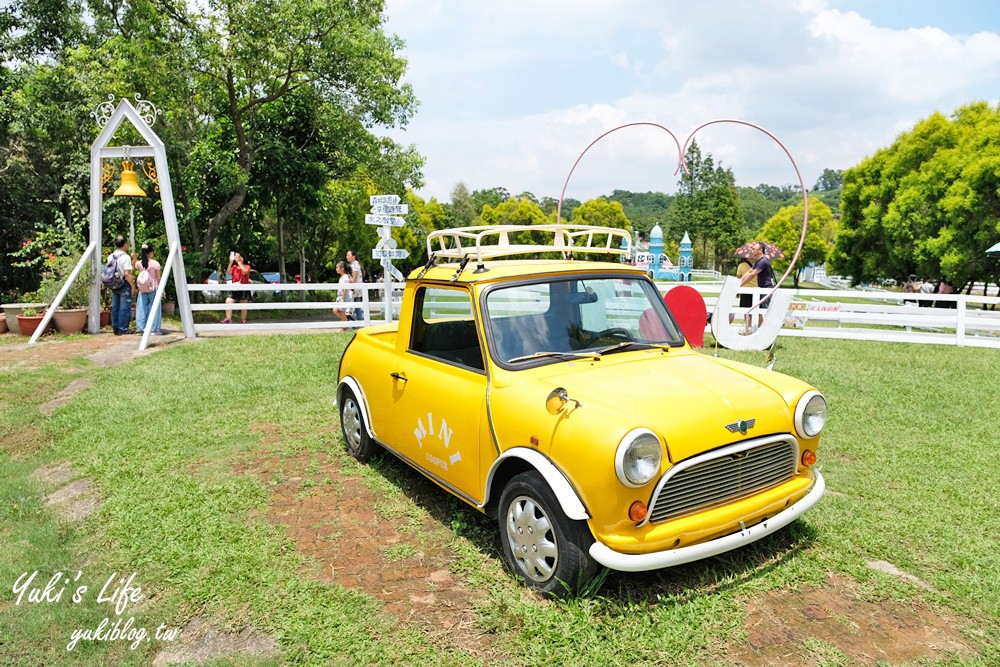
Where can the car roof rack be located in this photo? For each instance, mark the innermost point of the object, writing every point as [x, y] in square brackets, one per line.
[493, 241]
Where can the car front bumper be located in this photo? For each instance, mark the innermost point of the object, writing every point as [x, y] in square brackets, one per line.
[670, 557]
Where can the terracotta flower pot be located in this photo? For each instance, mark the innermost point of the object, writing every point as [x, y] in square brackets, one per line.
[105, 317]
[70, 320]
[12, 310]
[3, 325]
[169, 307]
[28, 323]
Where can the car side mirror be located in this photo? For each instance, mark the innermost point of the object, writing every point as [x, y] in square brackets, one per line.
[557, 400]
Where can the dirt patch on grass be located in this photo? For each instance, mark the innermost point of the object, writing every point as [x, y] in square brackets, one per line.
[72, 501]
[22, 442]
[104, 349]
[404, 561]
[200, 643]
[834, 625]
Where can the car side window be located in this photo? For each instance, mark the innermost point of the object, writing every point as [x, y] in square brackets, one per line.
[444, 327]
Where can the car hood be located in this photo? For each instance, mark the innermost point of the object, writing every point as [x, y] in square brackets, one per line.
[688, 399]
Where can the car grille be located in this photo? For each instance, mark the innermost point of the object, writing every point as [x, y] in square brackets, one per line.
[724, 478]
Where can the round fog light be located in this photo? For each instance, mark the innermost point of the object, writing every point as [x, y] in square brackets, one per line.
[808, 457]
[637, 511]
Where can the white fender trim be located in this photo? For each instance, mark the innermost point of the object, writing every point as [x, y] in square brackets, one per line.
[570, 502]
[362, 400]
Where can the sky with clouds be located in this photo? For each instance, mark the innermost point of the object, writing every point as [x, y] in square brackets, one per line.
[512, 92]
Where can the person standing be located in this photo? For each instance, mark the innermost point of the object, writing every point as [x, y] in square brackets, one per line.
[240, 270]
[121, 298]
[926, 287]
[147, 282]
[356, 277]
[764, 274]
[746, 300]
[343, 293]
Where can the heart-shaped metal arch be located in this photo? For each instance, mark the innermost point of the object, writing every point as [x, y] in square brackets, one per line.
[681, 152]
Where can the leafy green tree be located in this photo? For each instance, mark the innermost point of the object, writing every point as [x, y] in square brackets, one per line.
[550, 206]
[462, 211]
[263, 105]
[513, 212]
[757, 209]
[493, 197]
[831, 179]
[645, 210]
[707, 207]
[785, 229]
[928, 204]
[602, 213]
[245, 56]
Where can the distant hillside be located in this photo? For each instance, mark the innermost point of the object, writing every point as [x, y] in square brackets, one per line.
[643, 209]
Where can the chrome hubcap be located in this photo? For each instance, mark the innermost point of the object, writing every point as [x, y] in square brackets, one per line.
[351, 420]
[531, 538]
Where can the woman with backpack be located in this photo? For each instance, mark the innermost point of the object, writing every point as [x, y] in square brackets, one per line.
[147, 282]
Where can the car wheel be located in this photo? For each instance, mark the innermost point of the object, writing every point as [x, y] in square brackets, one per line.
[540, 543]
[358, 443]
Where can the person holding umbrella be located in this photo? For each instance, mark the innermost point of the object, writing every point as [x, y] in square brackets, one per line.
[762, 271]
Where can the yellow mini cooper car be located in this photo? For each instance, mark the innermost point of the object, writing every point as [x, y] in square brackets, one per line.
[560, 397]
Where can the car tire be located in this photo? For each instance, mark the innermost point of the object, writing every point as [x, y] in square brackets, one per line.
[352, 422]
[541, 545]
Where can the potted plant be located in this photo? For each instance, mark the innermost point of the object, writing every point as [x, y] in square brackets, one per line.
[71, 315]
[12, 310]
[28, 319]
[3, 324]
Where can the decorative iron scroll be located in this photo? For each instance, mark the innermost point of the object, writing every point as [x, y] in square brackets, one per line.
[146, 110]
[107, 173]
[102, 114]
[149, 168]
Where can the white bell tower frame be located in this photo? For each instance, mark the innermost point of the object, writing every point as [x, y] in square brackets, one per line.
[110, 118]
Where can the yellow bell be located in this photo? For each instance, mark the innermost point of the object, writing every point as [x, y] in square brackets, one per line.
[130, 184]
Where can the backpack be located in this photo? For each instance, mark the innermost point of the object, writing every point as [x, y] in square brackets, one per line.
[111, 274]
[145, 282]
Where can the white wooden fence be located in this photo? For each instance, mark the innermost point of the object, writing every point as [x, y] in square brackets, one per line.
[372, 306]
[954, 319]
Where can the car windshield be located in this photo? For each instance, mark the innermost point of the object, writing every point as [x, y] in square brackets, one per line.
[558, 319]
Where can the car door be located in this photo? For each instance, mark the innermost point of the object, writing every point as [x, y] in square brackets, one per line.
[438, 392]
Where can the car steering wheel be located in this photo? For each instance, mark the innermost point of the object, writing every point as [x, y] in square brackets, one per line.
[614, 332]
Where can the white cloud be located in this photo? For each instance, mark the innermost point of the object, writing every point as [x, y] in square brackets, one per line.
[512, 92]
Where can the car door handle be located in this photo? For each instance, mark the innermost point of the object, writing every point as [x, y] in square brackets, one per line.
[398, 376]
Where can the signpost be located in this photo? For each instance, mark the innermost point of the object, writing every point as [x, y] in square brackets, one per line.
[385, 213]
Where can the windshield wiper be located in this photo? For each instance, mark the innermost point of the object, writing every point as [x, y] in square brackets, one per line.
[624, 345]
[568, 355]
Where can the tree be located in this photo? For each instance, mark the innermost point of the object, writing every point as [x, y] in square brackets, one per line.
[785, 229]
[245, 56]
[494, 197]
[757, 209]
[550, 206]
[644, 209]
[513, 212]
[602, 213]
[928, 204]
[263, 104]
[462, 211]
[707, 207]
[831, 179]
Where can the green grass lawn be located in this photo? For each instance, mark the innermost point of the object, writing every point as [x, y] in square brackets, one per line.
[907, 454]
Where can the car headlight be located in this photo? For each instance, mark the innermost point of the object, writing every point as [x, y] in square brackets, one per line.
[810, 414]
[638, 458]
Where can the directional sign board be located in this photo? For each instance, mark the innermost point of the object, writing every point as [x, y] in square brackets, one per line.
[383, 199]
[388, 253]
[391, 209]
[393, 220]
